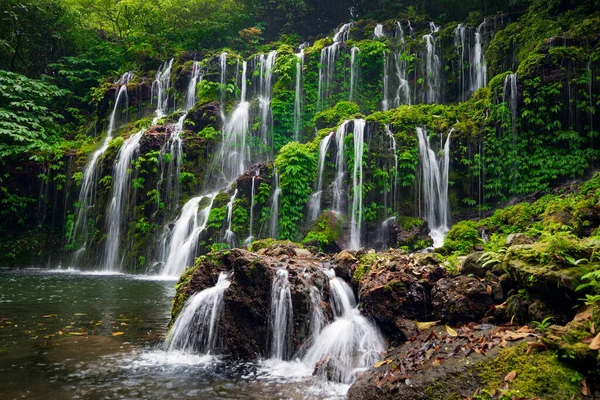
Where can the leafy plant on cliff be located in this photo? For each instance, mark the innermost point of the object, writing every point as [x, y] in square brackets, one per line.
[296, 164]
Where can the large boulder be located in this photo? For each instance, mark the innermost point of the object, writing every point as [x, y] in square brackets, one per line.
[456, 364]
[244, 325]
[461, 299]
[410, 232]
[394, 290]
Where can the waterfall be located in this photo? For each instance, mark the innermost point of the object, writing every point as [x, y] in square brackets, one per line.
[317, 318]
[384, 234]
[378, 31]
[282, 316]
[434, 207]
[264, 99]
[393, 175]
[461, 42]
[433, 67]
[275, 206]
[298, 95]
[87, 192]
[234, 153]
[176, 148]
[353, 72]
[223, 81]
[510, 97]
[230, 238]
[117, 205]
[401, 94]
[195, 329]
[410, 29]
[478, 67]
[161, 84]
[338, 182]
[314, 206]
[184, 236]
[349, 344]
[327, 65]
[357, 182]
[250, 237]
[469, 48]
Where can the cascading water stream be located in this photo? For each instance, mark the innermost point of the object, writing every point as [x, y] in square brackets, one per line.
[230, 238]
[87, 193]
[195, 329]
[349, 344]
[234, 154]
[433, 67]
[185, 234]
[281, 317]
[223, 81]
[357, 182]
[117, 205]
[250, 237]
[338, 182]
[510, 97]
[378, 31]
[353, 71]
[176, 148]
[434, 207]
[317, 319]
[298, 95]
[395, 65]
[478, 67]
[327, 65]
[264, 100]
[314, 206]
[161, 84]
[274, 221]
[394, 174]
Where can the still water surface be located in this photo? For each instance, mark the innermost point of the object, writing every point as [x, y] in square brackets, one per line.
[73, 335]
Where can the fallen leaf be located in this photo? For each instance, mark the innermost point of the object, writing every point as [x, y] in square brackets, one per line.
[585, 390]
[377, 364]
[451, 331]
[80, 313]
[118, 333]
[488, 290]
[78, 333]
[584, 313]
[436, 362]
[60, 332]
[425, 325]
[595, 343]
[510, 376]
[593, 328]
[49, 315]
[124, 324]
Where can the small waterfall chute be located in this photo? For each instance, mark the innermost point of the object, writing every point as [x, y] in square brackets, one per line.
[349, 344]
[314, 205]
[196, 327]
[434, 207]
[281, 317]
[274, 221]
[357, 184]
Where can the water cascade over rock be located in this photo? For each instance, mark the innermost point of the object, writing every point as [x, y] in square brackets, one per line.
[357, 184]
[274, 221]
[327, 65]
[353, 71]
[195, 329]
[433, 182]
[347, 345]
[90, 173]
[281, 317]
[433, 67]
[298, 94]
[230, 238]
[314, 206]
[184, 236]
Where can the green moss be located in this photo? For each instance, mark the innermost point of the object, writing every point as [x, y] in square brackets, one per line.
[334, 116]
[270, 242]
[462, 238]
[539, 374]
[365, 263]
[326, 229]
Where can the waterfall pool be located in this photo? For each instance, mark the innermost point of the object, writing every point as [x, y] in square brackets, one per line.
[66, 334]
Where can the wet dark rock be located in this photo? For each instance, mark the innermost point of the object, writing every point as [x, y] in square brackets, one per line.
[154, 138]
[243, 328]
[410, 232]
[257, 173]
[345, 264]
[460, 299]
[203, 115]
[473, 264]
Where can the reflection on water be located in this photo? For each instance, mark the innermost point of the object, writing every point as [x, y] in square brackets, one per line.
[73, 335]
